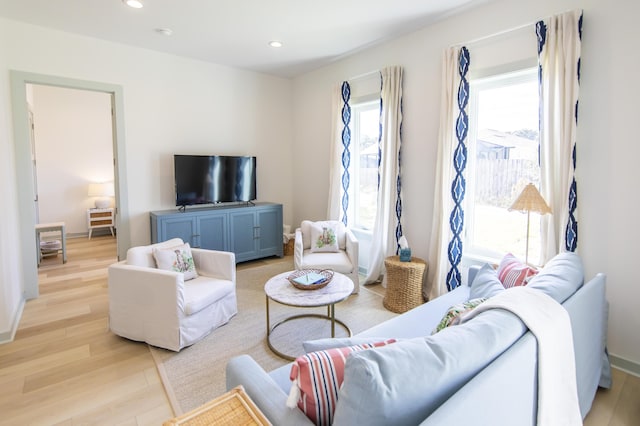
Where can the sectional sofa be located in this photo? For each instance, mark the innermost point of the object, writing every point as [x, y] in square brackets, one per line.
[483, 371]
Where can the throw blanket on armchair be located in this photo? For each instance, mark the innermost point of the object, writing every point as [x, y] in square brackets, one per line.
[550, 324]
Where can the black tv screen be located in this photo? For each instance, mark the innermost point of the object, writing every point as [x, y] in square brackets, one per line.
[210, 179]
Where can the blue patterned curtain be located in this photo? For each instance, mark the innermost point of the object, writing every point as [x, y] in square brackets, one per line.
[559, 46]
[458, 186]
[445, 253]
[399, 232]
[346, 154]
[387, 228]
[398, 206]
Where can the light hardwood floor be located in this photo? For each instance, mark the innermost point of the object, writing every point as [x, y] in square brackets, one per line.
[65, 367]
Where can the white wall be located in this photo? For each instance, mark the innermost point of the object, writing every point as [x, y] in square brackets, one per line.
[607, 147]
[171, 105]
[11, 278]
[74, 147]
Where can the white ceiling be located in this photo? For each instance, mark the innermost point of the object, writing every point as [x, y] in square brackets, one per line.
[236, 32]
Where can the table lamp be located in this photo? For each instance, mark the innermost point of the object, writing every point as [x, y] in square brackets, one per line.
[102, 192]
[529, 201]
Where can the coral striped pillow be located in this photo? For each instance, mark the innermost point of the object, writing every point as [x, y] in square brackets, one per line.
[317, 377]
[513, 273]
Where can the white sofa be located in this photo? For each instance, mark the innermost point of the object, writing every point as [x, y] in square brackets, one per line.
[344, 261]
[161, 308]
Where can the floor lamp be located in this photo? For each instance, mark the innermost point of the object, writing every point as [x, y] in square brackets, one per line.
[529, 201]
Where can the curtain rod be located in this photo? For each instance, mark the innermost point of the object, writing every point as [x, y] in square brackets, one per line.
[363, 75]
[490, 36]
[514, 29]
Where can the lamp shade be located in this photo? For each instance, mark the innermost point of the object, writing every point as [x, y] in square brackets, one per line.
[102, 192]
[530, 200]
[104, 189]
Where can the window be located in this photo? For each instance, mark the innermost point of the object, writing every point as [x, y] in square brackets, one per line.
[365, 132]
[502, 159]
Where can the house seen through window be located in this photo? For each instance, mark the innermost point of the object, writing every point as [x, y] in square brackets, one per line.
[502, 159]
[365, 132]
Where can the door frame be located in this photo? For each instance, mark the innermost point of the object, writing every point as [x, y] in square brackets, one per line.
[24, 167]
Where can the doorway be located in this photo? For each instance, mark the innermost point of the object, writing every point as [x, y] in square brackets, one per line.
[72, 146]
[25, 171]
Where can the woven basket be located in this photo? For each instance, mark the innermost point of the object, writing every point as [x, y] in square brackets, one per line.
[404, 284]
[288, 247]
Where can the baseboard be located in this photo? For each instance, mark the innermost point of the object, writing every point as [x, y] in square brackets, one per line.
[7, 336]
[77, 235]
[625, 365]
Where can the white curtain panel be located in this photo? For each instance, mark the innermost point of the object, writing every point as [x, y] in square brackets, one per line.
[443, 202]
[334, 209]
[388, 223]
[559, 44]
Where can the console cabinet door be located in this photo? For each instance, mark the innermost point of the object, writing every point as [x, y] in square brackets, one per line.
[179, 227]
[270, 232]
[244, 234]
[213, 232]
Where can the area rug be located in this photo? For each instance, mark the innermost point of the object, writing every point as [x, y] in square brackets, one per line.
[196, 374]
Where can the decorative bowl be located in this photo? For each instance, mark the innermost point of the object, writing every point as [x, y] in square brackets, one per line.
[318, 278]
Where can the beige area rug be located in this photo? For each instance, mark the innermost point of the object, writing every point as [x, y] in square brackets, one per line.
[196, 374]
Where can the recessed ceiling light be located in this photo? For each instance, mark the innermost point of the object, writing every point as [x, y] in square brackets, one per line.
[136, 4]
[275, 43]
[164, 31]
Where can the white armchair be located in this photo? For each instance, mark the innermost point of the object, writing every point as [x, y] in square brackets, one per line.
[161, 308]
[342, 259]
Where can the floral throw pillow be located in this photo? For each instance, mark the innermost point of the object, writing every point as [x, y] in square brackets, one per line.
[177, 259]
[452, 317]
[324, 238]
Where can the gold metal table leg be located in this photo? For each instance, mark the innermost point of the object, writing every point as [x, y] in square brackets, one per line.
[331, 316]
[268, 327]
[332, 309]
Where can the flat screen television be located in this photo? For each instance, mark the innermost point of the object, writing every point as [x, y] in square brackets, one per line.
[212, 179]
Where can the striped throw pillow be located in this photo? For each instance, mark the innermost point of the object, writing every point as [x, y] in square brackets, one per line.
[317, 377]
[513, 273]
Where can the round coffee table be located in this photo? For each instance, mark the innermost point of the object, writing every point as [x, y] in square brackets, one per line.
[280, 290]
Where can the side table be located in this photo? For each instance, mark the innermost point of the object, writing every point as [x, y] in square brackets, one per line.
[404, 283]
[100, 218]
[48, 227]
